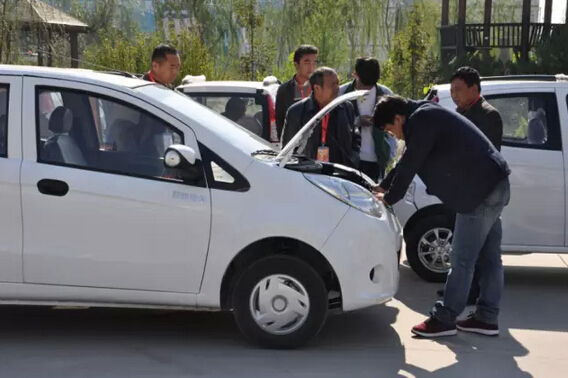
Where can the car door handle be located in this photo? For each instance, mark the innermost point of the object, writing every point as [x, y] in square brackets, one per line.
[53, 187]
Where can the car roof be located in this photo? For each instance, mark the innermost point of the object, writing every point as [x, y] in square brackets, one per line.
[225, 86]
[443, 90]
[76, 74]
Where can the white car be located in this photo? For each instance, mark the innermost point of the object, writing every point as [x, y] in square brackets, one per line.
[535, 136]
[137, 196]
[250, 104]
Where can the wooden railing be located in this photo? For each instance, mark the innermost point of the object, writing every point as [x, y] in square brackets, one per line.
[500, 35]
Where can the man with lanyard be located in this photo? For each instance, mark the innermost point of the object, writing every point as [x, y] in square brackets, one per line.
[297, 88]
[466, 94]
[375, 148]
[334, 140]
[165, 66]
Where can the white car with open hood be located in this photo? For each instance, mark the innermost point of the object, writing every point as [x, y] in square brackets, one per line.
[120, 192]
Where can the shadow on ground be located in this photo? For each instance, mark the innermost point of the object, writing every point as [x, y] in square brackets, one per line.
[40, 342]
[535, 299]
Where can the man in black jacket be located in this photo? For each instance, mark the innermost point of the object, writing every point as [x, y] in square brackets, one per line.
[466, 93]
[297, 88]
[335, 138]
[460, 166]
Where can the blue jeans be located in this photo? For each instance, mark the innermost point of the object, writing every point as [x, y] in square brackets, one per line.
[477, 238]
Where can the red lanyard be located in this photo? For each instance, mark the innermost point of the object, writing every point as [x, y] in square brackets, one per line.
[473, 103]
[324, 123]
[151, 77]
[301, 88]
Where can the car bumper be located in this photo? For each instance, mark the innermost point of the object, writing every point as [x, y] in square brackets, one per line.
[364, 251]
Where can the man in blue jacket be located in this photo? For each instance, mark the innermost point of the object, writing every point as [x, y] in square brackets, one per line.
[460, 166]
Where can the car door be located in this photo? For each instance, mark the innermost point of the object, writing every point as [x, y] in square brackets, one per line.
[99, 207]
[10, 162]
[562, 99]
[532, 146]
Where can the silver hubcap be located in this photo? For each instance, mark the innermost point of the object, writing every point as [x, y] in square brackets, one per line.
[279, 304]
[434, 249]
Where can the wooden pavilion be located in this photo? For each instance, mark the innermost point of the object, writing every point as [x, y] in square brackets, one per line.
[38, 17]
[521, 37]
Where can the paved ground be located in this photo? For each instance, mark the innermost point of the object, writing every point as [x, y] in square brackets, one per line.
[372, 343]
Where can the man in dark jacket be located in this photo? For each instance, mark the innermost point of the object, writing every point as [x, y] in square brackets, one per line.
[466, 93]
[460, 166]
[165, 66]
[333, 139]
[375, 149]
[297, 88]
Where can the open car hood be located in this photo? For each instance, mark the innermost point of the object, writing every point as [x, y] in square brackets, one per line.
[301, 138]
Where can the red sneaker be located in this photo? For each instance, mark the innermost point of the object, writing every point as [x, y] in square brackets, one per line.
[432, 327]
[473, 325]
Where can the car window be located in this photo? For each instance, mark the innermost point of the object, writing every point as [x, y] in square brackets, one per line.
[93, 132]
[242, 109]
[4, 93]
[529, 119]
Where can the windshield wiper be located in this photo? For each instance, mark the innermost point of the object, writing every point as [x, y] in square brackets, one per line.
[265, 152]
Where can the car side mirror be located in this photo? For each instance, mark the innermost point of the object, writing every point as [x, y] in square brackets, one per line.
[179, 156]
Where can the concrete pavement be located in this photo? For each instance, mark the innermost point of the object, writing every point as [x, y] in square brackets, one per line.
[376, 342]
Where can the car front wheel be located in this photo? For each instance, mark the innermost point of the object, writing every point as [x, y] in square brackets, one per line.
[428, 247]
[280, 302]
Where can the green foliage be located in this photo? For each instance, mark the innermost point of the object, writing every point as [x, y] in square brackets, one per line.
[115, 52]
[412, 65]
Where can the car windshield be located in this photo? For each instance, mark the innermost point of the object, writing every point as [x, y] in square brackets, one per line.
[226, 129]
[244, 109]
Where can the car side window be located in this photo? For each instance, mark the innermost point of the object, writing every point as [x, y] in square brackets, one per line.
[84, 130]
[4, 95]
[530, 120]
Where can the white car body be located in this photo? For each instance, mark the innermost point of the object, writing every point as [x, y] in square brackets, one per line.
[127, 240]
[535, 219]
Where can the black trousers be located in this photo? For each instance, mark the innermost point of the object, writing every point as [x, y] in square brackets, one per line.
[372, 169]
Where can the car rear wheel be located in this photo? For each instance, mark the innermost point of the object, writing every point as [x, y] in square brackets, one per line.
[428, 247]
[280, 302]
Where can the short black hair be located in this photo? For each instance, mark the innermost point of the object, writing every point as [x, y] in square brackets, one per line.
[387, 108]
[317, 78]
[162, 51]
[469, 75]
[304, 50]
[368, 70]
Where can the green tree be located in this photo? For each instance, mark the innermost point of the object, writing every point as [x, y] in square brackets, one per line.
[257, 62]
[412, 65]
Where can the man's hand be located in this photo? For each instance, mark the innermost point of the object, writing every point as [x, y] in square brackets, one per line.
[378, 189]
[366, 120]
[380, 197]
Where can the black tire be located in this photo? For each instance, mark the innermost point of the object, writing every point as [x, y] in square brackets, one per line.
[296, 269]
[412, 238]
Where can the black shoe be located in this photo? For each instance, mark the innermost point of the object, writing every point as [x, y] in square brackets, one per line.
[473, 325]
[432, 327]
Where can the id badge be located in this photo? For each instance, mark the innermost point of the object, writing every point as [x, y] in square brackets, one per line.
[323, 154]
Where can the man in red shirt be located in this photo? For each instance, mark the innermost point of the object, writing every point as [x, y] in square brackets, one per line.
[165, 66]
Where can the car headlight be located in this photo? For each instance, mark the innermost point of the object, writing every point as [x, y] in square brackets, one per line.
[352, 194]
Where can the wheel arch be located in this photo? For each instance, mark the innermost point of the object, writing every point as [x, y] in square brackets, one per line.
[435, 209]
[275, 246]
